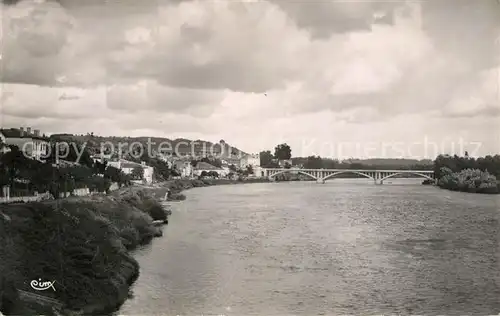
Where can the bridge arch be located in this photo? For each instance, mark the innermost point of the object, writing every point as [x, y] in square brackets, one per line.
[292, 170]
[348, 171]
[400, 173]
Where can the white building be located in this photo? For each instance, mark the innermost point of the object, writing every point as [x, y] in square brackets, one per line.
[252, 160]
[128, 166]
[31, 143]
[184, 167]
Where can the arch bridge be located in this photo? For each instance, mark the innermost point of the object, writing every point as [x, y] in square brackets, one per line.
[321, 175]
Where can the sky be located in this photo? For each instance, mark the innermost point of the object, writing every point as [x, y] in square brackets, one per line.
[363, 79]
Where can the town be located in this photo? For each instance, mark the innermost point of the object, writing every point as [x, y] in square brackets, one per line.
[82, 170]
[35, 166]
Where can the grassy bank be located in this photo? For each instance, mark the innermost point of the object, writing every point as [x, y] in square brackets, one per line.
[83, 244]
[80, 243]
[469, 180]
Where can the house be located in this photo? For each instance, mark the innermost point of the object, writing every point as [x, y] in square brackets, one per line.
[128, 166]
[250, 160]
[101, 157]
[4, 148]
[184, 167]
[203, 166]
[30, 142]
[285, 162]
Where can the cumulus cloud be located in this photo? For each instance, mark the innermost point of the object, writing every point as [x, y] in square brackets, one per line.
[230, 67]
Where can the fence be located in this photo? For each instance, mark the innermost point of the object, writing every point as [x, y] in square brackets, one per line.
[25, 199]
[6, 198]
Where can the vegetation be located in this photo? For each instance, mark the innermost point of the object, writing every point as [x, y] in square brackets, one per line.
[455, 163]
[81, 244]
[467, 174]
[93, 144]
[283, 152]
[27, 175]
[137, 173]
[317, 162]
[267, 160]
[210, 174]
[468, 180]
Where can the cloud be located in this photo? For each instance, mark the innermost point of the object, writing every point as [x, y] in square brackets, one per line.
[202, 67]
[324, 18]
[479, 97]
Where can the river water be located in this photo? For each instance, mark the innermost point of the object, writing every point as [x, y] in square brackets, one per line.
[347, 247]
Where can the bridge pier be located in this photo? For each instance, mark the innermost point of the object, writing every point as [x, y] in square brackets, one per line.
[320, 180]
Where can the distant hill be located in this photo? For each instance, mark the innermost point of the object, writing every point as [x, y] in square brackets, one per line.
[374, 163]
[181, 145]
[390, 162]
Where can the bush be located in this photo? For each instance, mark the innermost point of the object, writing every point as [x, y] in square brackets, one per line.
[177, 197]
[155, 210]
[469, 180]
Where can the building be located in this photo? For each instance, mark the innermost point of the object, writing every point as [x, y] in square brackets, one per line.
[184, 167]
[128, 166]
[203, 166]
[4, 148]
[101, 158]
[250, 160]
[283, 163]
[30, 142]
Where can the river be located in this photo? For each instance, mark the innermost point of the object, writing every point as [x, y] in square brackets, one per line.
[340, 248]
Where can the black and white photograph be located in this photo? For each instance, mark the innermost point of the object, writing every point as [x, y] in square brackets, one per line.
[249, 157]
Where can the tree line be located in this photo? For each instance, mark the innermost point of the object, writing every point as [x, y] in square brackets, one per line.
[283, 152]
[25, 175]
[456, 163]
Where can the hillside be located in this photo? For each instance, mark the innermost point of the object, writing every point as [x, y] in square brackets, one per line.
[391, 162]
[182, 145]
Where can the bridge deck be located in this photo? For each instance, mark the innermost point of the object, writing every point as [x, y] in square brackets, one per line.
[354, 170]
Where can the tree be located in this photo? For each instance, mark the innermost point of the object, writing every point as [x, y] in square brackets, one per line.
[100, 168]
[137, 173]
[14, 162]
[266, 159]
[212, 161]
[313, 162]
[213, 174]
[203, 174]
[115, 175]
[249, 170]
[283, 152]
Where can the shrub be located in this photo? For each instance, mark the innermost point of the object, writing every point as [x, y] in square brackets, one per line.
[468, 180]
[155, 210]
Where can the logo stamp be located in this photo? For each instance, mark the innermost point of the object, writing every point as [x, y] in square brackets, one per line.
[42, 286]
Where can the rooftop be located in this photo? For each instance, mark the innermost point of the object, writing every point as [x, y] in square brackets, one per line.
[206, 166]
[18, 133]
[130, 164]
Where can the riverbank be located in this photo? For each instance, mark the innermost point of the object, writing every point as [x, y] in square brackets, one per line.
[82, 244]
